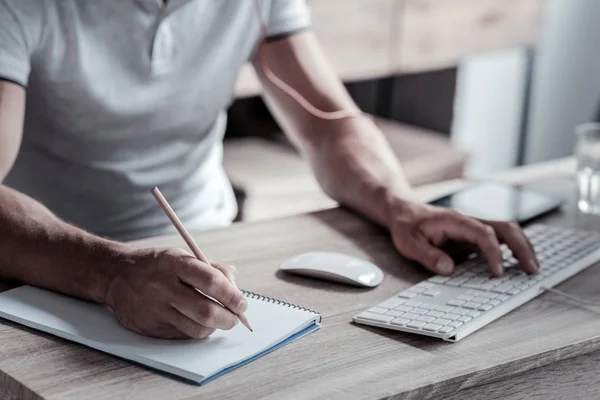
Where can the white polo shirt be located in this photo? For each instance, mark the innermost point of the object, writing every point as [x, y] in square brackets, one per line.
[125, 95]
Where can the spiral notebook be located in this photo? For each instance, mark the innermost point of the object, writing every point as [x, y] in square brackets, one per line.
[275, 324]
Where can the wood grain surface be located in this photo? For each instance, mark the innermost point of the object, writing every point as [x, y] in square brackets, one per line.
[342, 360]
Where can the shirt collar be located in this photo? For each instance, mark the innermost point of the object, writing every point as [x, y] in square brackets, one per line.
[157, 6]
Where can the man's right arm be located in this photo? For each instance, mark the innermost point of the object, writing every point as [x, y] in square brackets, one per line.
[151, 291]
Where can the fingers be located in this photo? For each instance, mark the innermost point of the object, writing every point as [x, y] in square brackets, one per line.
[432, 258]
[188, 327]
[456, 226]
[229, 271]
[212, 282]
[512, 234]
[202, 310]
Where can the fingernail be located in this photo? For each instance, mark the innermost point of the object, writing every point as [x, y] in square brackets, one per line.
[444, 266]
[534, 265]
[499, 270]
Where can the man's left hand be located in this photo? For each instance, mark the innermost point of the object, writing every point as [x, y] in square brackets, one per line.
[419, 232]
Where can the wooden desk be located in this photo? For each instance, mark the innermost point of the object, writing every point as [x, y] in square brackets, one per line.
[545, 347]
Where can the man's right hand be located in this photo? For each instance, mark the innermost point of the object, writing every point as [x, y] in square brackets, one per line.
[154, 293]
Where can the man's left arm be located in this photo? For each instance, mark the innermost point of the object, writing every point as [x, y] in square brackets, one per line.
[355, 165]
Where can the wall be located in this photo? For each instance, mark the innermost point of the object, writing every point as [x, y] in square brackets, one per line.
[566, 87]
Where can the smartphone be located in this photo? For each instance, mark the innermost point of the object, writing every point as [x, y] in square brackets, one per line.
[500, 202]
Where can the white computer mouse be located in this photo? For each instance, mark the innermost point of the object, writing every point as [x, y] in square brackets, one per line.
[335, 267]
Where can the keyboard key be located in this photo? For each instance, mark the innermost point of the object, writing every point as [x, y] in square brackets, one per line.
[480, 299]
[514, 291]
[502, 297]
[471, 304]
[431, 293]
[445, 329]
[502, 288]
[416, 289]
[392, 303]
[464, 318]
[407, 295]
[524, 286]
[480, 280]
[412, 303]
[425, 318]
[451, 316]
[456, 281]
[410, 315]
[485, 307]
[394, 313]
[473, 314]
[420, 311]
[464, 297]
[441, 321]
[460, 311]
[489, 295]
[519, 279]
[428, 306]
[480, 286]
[403, 308]
[415, 324]
[432, 327]
[400, 321]
[426, 285]
[375, 317]
[444, 309]
[455, 324]
[455, 302]
[435, 313]
[378, 310]
[493, 303]
[439, 279]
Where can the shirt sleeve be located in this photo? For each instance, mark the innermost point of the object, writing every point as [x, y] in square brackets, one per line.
[15, 49]
[287, 17]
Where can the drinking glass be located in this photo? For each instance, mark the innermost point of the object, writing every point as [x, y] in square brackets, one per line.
[587, 153]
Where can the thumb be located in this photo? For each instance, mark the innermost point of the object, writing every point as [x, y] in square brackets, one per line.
[432, 258]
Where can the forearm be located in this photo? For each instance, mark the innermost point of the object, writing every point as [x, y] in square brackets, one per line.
[351, 158]
[356, 167]
[38, 248]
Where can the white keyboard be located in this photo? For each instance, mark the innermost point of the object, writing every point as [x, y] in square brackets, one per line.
[451, 308]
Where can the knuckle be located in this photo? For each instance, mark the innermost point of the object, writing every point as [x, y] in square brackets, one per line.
[210, 313]
[489, 232]
[212, 277]
[173, 252]
[454, 214]
[513, 225]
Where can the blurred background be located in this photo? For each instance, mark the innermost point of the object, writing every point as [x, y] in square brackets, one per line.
[461, 88]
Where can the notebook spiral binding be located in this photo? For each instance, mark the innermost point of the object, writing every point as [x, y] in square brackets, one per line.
[257, 296]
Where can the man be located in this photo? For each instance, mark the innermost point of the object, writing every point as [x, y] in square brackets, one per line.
[102, 100]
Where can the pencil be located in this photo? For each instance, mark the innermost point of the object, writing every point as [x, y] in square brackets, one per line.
[188, 239]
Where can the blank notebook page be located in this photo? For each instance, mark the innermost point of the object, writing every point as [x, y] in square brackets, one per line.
[197, 360]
